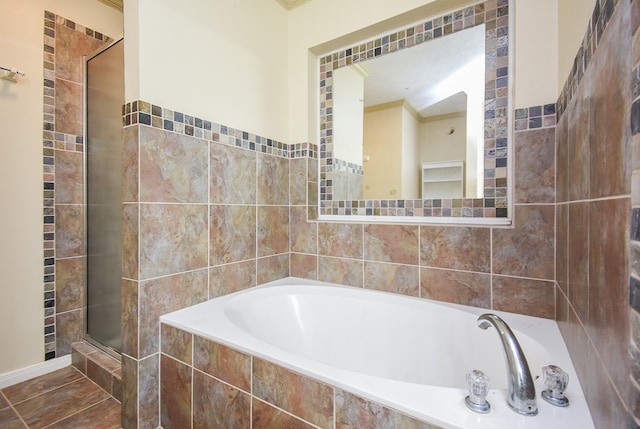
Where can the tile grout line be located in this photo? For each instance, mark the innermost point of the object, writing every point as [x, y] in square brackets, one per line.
[42, 392]
[77, 412]
[10, 406]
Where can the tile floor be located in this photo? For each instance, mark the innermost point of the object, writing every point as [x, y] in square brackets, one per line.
[63, 399]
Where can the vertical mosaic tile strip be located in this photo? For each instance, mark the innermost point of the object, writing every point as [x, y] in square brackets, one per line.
[53, 141]
[145, 113]
[597, 24]
[495, 16]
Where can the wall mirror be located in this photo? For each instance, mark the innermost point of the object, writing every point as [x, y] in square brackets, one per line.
[415, 123]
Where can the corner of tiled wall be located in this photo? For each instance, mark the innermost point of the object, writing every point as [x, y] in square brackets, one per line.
[594, 215]
[303, 213]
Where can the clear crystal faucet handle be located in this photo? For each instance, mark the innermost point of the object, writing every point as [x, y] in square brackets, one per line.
[478, 384]
[556, 381]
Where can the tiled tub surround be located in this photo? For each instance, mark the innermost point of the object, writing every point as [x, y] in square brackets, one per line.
[65, 43]
[227, 388]
[210, 217]
[593, 215]
[205, 213]
[494, 14]
[286, 326]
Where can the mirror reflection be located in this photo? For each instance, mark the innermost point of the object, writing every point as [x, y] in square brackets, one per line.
[353, 115]
[409, 125]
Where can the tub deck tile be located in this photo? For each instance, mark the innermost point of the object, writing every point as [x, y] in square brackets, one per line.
[293, 392]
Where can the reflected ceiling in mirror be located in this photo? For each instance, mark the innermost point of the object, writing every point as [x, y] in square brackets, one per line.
[493, 17]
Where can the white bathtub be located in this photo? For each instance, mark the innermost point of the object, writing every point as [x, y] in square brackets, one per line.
[406, 353]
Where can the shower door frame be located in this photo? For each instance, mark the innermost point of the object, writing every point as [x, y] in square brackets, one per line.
[104, 347]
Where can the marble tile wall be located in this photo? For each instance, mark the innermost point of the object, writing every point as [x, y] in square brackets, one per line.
[593, 216]
[205, 213]
[211, 385]
[65, 43]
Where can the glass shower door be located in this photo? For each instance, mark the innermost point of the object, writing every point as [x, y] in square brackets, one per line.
[104, 101]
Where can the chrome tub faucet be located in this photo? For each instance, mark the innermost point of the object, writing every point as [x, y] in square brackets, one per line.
[522, 392]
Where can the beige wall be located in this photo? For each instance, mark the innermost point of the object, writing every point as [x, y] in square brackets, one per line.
[214, 66]
[536, 52]
[383, 148]
[437, 145]
[348, 84]
[21, 253]
[410, 170]
[573, 20]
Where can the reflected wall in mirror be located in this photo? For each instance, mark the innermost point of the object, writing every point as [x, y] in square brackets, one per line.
[415, 122]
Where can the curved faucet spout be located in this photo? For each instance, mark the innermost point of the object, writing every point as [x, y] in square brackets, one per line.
[522, 392]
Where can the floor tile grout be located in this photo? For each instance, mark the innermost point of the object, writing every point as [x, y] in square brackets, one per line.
[31, 395]
[42, 392]
[79, 411]
[10, 406]
[5, 399]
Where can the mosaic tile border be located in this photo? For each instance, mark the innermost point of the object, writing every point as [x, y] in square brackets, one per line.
[145, 113]
[600, 17]
[51, 142]
[452, 207]
[530, 118]
[493, 13]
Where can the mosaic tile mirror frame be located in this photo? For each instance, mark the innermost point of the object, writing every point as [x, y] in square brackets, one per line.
[495, 15]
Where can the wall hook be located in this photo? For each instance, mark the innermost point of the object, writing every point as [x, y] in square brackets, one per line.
[10, 74]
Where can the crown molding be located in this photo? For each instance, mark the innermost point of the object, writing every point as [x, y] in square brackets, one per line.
[116, 4]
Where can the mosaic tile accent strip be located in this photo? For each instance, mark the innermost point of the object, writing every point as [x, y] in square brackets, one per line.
[535, 117]
[602, 12]
[52, 142]
[495, 15]
[145, 113]
[452, 207]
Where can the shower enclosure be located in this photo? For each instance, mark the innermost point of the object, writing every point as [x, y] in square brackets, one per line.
[104, 98]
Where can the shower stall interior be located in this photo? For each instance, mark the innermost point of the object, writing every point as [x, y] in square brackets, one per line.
[104, 98]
